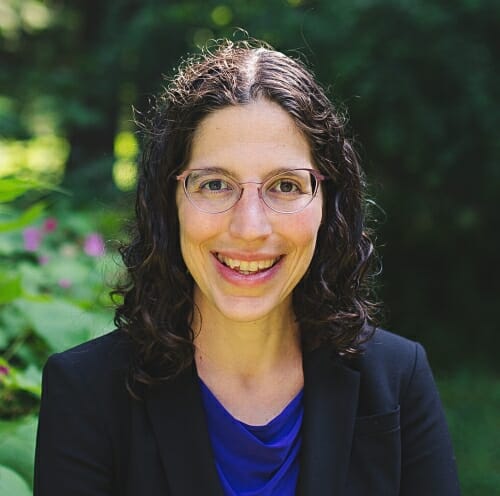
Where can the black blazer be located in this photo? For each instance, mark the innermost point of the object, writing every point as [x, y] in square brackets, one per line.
[373, 426]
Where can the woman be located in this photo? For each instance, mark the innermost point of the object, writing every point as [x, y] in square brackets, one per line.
[245, 361]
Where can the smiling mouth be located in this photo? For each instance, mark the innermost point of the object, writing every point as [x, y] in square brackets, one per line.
[246, 267]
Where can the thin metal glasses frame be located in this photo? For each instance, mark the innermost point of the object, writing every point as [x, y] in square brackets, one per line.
[317, 175]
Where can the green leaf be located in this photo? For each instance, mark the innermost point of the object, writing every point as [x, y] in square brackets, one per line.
[60, 323]
[10, 243]
[17, 446]
[13, 187]
[33, 277]
[12, 484]
[10, 288]
[26, 218]
[28, 380]
[75, 270]
[12, 322]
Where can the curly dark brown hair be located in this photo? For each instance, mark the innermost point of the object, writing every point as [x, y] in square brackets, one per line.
[332, 303]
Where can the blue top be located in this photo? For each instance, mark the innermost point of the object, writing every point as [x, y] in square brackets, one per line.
[255, 460]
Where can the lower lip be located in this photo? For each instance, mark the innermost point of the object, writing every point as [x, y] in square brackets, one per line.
[247, 280]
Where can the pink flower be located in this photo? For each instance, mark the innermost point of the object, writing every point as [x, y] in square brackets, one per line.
[32, 238]
[4, 370]
[43, 259]
[64, 283]
[94, 245]
[50, 224]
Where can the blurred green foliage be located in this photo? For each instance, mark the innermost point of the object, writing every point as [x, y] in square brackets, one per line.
[472, 403]
[55, 272]
[421, 82]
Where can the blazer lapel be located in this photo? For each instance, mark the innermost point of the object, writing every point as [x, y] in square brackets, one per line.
[330, 404]
[176, 412]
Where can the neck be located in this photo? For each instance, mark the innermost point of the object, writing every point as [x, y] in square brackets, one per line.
[246, 351]
[253, 368]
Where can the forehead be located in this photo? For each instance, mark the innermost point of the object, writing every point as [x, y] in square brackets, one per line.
[257, 137]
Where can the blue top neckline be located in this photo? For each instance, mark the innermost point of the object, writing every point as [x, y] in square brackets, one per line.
[255, 460]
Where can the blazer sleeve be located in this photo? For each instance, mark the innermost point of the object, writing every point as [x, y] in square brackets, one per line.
[428, 463]
[73, 453]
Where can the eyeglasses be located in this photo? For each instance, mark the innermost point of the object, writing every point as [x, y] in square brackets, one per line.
[287, 192]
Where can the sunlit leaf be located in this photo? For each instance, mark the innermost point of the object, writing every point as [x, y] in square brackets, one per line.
[11, 483]
[28, 380]
[221, 15]
[61, 323]
[17, 446]
[126, 145]
[12, 322]
[125, 174]
[13, 187]
[10, 287]
[26, 218]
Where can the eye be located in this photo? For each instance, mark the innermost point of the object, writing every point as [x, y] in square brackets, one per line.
[215, 185]
[285, 186]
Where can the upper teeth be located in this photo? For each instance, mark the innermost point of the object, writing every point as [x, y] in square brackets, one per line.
[246, 266]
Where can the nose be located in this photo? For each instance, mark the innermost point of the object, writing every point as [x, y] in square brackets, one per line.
[249, 217]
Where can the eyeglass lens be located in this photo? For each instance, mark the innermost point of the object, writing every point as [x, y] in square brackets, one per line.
[287, 192]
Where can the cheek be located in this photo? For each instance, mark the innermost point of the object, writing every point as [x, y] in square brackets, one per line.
[195, 229]
[188, 236]
[304, 227]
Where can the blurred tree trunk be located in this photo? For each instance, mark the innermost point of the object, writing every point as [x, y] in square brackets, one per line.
[91, 136]
[90, 162]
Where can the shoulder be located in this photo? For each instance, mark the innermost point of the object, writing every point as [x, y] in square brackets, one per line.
[110, 350]
[390, 366]
[96, 364]
[388, 351]
[84, 416]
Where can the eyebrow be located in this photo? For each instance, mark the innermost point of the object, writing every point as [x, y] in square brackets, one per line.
[211, 169]
[221, 170]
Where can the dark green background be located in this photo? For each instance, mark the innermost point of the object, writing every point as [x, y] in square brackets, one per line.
[420, 81]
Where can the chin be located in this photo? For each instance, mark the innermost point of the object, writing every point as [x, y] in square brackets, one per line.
[246, 309]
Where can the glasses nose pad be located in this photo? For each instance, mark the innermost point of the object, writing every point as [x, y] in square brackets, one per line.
[240, 195]
[243, 187]
[259, 191]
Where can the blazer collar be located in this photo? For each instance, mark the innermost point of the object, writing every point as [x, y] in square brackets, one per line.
[331, 390]
[176, 412]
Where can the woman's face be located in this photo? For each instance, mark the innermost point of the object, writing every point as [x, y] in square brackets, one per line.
[269, 252]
